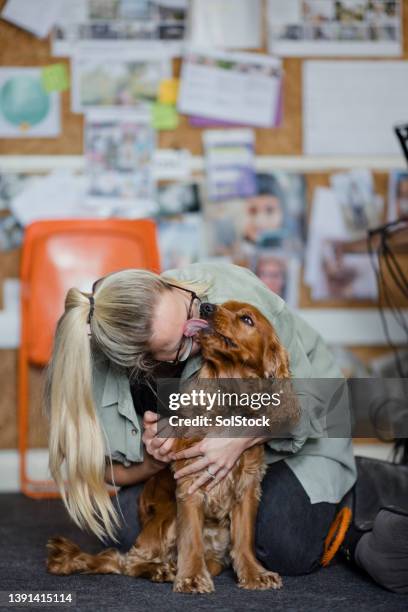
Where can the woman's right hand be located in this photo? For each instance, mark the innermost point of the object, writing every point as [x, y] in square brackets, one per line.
[158, 447]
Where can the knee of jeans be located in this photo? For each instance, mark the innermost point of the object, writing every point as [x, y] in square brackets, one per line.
[126, 506]
[285, 555]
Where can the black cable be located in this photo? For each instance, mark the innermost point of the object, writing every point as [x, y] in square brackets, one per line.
[382, 287]
[396, 272]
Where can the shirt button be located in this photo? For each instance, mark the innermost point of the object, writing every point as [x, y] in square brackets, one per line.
[134, 432]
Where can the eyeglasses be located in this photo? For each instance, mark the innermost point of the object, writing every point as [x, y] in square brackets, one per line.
[186, 344]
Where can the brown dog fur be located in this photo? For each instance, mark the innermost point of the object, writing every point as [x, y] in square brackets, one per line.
[187, 539]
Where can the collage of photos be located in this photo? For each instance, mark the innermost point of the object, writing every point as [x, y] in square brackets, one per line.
[119, 158]
[366, 27]
[93, 21]
[180, 223]
[264, 232]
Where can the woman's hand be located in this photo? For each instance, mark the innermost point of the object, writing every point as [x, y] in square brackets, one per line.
[217, 458]
[157, 447]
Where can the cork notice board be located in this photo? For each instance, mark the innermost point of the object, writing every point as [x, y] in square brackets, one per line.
[19, 48]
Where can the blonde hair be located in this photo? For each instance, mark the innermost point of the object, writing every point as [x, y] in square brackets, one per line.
[120, 327]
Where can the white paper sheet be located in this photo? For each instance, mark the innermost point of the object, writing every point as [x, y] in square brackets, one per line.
[237, 87]
[26, 109]
[351, 107]
[229, 24]
[326, 221]
[10, 315]
[36, 16]
[59, 195]
[171, 164]
[326, 27]
[327, 226]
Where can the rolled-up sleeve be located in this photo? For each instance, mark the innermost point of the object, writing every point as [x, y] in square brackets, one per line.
[121, 426]
[317, 382]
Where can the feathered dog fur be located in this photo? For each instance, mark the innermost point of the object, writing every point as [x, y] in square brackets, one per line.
[188, 539]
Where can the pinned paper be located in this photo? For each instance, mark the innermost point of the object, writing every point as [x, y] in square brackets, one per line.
[38, 17]
[26, 109]
[164, 117]
[55, 78]
[168, 91]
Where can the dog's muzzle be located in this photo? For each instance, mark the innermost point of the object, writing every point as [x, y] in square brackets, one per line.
[207, 310]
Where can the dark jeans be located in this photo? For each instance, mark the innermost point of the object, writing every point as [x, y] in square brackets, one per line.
[290, 531]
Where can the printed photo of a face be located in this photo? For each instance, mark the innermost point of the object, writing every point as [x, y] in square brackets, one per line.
[264, 223]
[273, 218]
[271, 270]
[279, 271]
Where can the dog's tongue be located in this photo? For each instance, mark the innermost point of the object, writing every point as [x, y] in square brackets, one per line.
[192, 326]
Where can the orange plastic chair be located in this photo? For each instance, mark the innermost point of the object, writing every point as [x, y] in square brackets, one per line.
[57, 255]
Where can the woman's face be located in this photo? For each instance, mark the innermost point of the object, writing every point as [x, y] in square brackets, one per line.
[169, 318]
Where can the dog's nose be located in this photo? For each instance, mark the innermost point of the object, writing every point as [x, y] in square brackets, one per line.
[207, 310]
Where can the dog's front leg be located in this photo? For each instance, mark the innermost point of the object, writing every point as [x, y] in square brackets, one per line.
[251, 574]
[192, 573]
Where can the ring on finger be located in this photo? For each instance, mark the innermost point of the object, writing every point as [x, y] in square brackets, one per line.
[210, 473]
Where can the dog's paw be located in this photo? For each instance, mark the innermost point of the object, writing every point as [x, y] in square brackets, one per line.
[200, 583]
[260, 581]
[61, 555]
[165, 573]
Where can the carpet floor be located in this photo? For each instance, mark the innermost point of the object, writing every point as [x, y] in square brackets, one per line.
[26, 524]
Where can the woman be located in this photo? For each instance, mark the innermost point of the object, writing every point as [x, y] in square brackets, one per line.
[135, 320]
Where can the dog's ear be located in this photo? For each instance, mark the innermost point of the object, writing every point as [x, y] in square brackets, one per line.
[275, 359]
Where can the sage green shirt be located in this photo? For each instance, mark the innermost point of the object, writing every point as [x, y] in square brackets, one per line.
[324, 465]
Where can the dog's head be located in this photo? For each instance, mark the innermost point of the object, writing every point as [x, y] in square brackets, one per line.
[239, 338]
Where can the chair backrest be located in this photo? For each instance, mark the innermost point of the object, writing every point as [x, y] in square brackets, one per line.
[58, 255]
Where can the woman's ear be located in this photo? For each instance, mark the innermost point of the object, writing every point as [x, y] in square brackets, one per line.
[275, 359]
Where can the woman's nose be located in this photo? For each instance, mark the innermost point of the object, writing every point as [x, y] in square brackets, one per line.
[207, 310]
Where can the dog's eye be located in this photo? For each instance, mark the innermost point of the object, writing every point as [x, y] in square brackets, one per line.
[247, 320]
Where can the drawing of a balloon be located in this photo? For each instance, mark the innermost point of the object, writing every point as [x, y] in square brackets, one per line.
[23, 101]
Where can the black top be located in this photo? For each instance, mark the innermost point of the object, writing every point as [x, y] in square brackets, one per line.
[143, 396]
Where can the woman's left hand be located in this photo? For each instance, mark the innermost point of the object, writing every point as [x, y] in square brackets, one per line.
[217, 457]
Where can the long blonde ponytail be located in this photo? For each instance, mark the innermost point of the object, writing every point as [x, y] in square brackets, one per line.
[121, 330]
[76, 439]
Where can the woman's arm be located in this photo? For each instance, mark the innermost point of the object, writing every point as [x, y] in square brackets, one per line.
[157, 455]
[120, 475]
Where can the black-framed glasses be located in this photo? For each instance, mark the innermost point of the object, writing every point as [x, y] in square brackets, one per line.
[186, 344]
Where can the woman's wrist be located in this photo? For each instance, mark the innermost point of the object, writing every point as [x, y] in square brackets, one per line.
[119, 475]
[249, 442]
[153, 463]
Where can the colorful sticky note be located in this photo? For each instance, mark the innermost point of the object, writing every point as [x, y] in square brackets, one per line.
[168, 91]
[55, 78]
[164, 117]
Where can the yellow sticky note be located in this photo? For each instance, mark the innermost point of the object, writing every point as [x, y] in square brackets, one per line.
[168, 91]
[55, 78]
[164, 117]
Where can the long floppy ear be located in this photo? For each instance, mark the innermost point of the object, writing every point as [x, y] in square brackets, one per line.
[275, 359]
